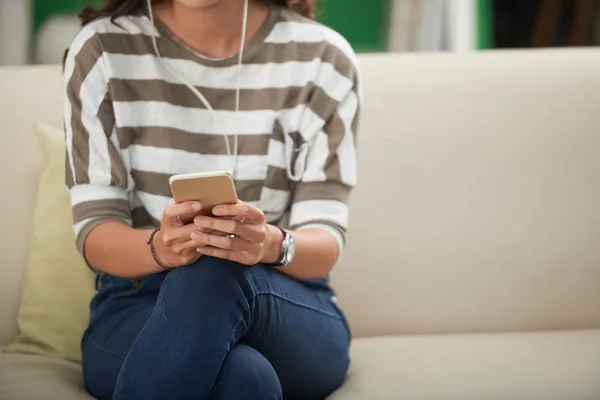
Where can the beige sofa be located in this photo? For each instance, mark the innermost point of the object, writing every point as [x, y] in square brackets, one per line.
[473, 264]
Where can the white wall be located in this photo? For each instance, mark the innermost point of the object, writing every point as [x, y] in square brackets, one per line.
[54, 36]
[462, 23]
[431, 25]
[15, 31]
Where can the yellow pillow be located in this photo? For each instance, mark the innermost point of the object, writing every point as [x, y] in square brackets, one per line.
[58, 284]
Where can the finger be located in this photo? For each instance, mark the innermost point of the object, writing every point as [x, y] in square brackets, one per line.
[173, 211]
[248, 231]
[190, 245]
[236, 256]
[223, 225]
[175, 235]
[225, 242]
[252, 232]
[240, 209]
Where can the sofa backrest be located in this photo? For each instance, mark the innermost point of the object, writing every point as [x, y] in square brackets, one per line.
[477, 205]
[479, 189]
[27, 95]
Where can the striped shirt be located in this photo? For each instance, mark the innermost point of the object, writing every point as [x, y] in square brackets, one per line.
[131, 124]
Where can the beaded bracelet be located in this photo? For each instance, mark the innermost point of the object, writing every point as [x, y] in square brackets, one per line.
[153, 251]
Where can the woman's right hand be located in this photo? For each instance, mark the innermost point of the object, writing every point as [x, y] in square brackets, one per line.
[173, 244]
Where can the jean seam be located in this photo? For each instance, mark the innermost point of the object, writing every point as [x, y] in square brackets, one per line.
[125, 359]
[301, 304]
[160, 305]
[248, 299]
[105, 350]
[159, 298]
[262, 292]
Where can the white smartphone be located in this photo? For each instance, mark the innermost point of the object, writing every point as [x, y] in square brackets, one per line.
[208, 188]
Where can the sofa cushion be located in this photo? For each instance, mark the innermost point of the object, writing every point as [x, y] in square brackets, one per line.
[516, 366]
[58, 284]
[30, 377]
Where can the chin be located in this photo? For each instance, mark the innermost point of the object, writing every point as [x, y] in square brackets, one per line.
[197, 4]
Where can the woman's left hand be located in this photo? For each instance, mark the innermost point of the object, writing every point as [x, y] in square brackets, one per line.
[253, 236]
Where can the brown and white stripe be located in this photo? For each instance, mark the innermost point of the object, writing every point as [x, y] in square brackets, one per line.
[130, 124]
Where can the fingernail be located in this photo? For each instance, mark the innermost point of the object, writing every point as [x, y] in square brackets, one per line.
[198, 220]
[196, 206]
[199, 250]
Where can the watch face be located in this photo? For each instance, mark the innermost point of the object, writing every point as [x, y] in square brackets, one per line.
[289, 256]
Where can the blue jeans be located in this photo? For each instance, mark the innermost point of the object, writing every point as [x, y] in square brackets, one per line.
[214, 330]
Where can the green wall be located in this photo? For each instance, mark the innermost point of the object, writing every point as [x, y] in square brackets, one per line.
[485, 24]
[42, 9]
[362, 22]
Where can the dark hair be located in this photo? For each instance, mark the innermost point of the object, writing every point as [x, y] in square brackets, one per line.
[118, 8]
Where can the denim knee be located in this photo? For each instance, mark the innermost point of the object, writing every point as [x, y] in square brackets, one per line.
[246, 374]
[207, 267]
[209, 282]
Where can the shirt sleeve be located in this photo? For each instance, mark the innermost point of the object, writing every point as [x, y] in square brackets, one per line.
[96, 175]
[329, 126]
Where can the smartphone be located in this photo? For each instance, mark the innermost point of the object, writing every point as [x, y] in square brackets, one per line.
[208, 188]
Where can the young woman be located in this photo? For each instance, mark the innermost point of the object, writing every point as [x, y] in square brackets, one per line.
[232, 307]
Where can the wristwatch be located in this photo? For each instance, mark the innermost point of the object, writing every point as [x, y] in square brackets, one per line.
[288, 248]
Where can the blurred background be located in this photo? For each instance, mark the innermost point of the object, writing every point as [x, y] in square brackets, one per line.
[37, 31]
